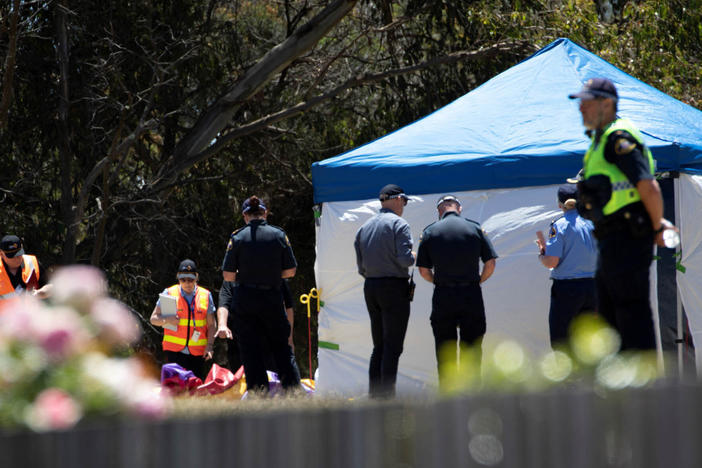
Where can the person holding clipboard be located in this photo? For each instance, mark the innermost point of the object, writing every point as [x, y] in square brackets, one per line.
[186, 313]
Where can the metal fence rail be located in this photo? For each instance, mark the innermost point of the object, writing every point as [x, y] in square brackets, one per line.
[566, 428]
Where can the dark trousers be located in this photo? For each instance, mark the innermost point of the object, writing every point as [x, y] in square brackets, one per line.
[259, 316]
[196, 364]
[623, 289]
[452, 307]
[389, 308]
[568, 299]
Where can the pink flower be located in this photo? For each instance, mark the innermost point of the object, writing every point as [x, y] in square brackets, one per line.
[53, 409]
[147, 400]
[19, 317]
[61, 333]
[116, 324]
[78, 285]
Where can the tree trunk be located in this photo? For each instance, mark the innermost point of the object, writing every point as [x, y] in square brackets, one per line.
[64, 145]
[9, 68]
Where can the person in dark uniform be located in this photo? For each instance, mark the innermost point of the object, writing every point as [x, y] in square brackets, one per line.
[621, 196]
[449, 255]
[571, 253]
[383, 255]
[257, 257]
[233, 357]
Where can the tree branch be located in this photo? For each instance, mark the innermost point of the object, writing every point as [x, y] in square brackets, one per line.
[229, 136]
[219, 115]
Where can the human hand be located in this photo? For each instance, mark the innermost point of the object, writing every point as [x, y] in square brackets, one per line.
[171, 320]
[660, 238]
[224, 332]
[208, 353]
[540, 242]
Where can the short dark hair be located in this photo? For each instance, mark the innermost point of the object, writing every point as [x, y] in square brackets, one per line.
[253, 206]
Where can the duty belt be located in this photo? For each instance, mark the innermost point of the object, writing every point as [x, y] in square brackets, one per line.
[267, 287]
[456, 284]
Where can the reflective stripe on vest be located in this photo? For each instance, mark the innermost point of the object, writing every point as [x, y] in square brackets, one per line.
[30, 276]
[177, 340]
[594, 163]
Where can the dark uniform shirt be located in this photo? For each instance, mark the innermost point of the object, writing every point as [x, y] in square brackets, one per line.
[258, 253]
[453, 247]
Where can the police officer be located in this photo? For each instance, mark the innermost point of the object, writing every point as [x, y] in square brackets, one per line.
[383, 255]
[258, 255]
[20, 272]
[449, 255]
[188, 336]
[571, 252]
[621, 196]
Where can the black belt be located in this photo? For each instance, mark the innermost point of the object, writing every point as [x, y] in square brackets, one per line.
[385, 278]
[456, 284]
[266, 287]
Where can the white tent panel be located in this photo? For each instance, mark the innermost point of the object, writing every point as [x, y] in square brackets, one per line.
[689, 221]
[516, 297]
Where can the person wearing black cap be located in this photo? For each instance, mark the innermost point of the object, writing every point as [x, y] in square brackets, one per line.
[188, 336]
[20, 272]
[384, 254]
[621, 196]
[449, 255]
[258, 257]
[571, 254]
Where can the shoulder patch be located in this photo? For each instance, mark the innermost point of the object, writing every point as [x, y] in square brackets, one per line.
[552, 232]
[230, 244]
[623, 146]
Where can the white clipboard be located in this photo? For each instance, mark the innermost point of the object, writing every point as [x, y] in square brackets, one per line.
[168, 306]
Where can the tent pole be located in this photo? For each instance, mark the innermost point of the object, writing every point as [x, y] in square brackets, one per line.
[678, 252]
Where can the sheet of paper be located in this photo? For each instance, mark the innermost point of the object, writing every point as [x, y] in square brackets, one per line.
[168, 309]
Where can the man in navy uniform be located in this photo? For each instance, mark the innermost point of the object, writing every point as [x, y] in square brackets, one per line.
[258, 257]
[449, 255]
[383, 255]
[571, 252]
[619, 193]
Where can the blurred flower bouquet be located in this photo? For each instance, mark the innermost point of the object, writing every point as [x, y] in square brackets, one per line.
[57, 362]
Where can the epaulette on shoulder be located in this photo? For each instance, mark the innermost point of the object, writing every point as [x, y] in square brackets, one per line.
[236, 231]
[472, 221]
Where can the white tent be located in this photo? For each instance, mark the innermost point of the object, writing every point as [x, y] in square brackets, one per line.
[502, 149]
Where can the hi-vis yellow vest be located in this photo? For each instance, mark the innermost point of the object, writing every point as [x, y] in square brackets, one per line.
[594, 163]
[30, 276]
[189, 323]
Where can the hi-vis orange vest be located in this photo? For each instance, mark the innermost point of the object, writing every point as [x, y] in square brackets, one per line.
[30, 276]
[195, 321]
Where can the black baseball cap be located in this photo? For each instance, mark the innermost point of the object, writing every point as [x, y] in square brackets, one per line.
[12, 246]
[596, 88]
[447, 198]
[566, 192]
[391, 191]
[187, 269]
